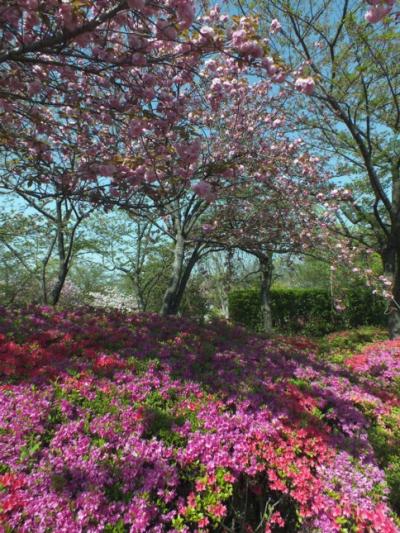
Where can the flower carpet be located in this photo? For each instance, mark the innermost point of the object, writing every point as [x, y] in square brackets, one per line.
[133, 423]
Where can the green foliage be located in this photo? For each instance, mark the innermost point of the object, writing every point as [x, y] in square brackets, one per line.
[350, 341]
[160, 424]
[308, 273]
[245, 307]
[33, 445]
[309, 311]
[203, 503]
[302, 309]
[115, 493]
[118, 527]
[160, 419]
[4, 468]
[194, 302]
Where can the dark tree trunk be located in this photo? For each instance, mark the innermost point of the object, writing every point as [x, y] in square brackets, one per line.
[58, 287]
[266, 267]
[391, 262]
[179, 279]
[186, 272]
[227, 283]
[63, 257]
[44, 287]
[169, 305]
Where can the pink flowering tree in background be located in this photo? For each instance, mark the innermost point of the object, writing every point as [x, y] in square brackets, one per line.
[278, 212]
[207, 142]
[133, 249]
[345, 56]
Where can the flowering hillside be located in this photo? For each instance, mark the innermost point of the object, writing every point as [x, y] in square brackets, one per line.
[114, 423]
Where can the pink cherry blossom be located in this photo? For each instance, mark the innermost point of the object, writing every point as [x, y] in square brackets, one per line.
[377, 13]
[166, 30]
[305, 85]
[275, 26]
[136, 4]
[202, 188]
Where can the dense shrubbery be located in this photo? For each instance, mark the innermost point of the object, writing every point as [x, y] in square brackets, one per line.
[310, 311]
[111, 422]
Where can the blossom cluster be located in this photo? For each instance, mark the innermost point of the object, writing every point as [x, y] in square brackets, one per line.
[379, 10]
[126, 422]
[380, 362]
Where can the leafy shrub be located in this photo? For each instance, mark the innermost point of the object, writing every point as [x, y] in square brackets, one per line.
[310, 311]
[384, 436]
[245, 307]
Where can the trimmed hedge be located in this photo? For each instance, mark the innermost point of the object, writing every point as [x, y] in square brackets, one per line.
[307, 310]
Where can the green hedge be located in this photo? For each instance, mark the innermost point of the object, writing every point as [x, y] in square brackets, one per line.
[307, 310]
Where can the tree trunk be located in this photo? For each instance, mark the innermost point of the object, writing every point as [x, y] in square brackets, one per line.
[266, 267]
[62, 258]
[44, 286]
[169, 305]
[179, 279]
[58, 287]
[45, 262]
[227, 284]
[391, 263]
[186, 272]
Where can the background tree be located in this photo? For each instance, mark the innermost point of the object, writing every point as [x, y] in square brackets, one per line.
[23, 241]
[302, 272]
[274, 213]
[135, 251]
[350, 69]
[45, 173]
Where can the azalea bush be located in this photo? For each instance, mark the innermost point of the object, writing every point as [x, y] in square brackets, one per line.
[123, 422]
[379, 365]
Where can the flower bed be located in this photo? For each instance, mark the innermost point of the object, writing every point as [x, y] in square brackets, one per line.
[111, 422]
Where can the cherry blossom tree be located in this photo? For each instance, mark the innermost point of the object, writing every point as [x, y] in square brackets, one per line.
[278, 213]
[105, 61]
[224, 154]
[46, 172]
[113, 103]
[346, 58]
[94, 95]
